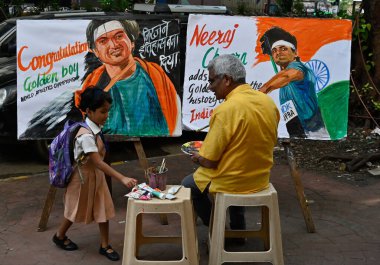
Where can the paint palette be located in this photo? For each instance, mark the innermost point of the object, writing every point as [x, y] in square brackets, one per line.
[190, 147]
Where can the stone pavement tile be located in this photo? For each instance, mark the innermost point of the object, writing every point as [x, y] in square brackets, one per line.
[339, 212]
[309, 260]
[372, 256]
[346, 218]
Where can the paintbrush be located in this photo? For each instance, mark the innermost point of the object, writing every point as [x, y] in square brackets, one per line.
[162, 167]
[200, 129]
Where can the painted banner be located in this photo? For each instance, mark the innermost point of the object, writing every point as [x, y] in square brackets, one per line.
[136, 61]
[303, 64]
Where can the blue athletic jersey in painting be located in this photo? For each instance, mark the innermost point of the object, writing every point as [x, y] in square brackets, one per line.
[135, 109]
[304, 98]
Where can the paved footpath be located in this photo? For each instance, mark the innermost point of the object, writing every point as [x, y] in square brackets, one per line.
[346, 217]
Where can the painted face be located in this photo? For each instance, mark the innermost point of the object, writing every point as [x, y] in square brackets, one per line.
[216, 84]
[283, 55]
[100, 115]
[114, 47]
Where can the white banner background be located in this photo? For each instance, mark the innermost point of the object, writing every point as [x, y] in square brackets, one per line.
[41, 41]
[241, 32]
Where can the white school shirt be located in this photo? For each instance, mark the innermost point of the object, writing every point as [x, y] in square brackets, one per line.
[85, 143]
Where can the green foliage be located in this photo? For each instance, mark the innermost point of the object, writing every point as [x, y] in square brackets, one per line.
[370, 97]
[361, 36]
[115, 5]
[243, 9]
[298, 8]
[362, 32]
[88, 6]
[344, 4]
[345, 9]
[323, 14]
[121, 5]
[285, 5]
[55, 5]
[366, 88]
[106, 5]
[344, 15]
[376, 105]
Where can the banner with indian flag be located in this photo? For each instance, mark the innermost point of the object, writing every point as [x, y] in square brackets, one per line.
[302, 63]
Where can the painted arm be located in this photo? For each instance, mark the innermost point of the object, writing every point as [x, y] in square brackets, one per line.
[203, 162]
[281, 79]
[108, 170]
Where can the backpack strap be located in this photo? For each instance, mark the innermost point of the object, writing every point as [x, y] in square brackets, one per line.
[83, 130]
[80, 130]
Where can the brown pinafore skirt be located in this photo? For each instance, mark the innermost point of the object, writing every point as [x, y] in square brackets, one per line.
[90, 201]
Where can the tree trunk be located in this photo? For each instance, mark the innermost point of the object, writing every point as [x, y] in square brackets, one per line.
[359, 74]
[371, 12]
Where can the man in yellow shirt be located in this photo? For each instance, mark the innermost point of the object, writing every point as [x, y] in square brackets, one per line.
[237, 153]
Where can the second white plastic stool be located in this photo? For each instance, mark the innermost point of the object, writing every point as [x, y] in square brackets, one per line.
[270, 232]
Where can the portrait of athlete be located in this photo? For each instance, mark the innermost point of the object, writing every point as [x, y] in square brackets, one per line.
[295, 80]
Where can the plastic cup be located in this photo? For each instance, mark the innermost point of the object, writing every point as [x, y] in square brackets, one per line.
[156, 179]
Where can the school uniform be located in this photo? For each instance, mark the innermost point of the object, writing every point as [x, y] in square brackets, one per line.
[91, 200]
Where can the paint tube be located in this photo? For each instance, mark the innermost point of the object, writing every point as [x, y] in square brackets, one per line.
[174, 189]
[170, 196]
[155, 193]
[139, 195]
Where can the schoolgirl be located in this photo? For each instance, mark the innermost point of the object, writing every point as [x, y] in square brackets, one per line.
[87, 198]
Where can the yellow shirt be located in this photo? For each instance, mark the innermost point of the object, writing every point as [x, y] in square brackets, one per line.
[242, 135]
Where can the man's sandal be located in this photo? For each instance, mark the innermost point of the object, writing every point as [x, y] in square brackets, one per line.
[65, 243]
[109, 253]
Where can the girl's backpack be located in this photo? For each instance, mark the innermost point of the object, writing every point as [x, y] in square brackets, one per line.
[61, 154]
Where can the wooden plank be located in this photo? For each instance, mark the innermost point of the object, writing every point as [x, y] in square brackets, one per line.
[141, 154]
[299, 188]
[360, 161]
[47, 208]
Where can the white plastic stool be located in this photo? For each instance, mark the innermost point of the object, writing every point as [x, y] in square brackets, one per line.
[134, 237]
[270, 230]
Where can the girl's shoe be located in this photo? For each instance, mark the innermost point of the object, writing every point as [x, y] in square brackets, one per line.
[61, 243]
[113, 255]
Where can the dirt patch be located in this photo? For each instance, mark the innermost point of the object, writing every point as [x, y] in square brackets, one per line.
[334, 158]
